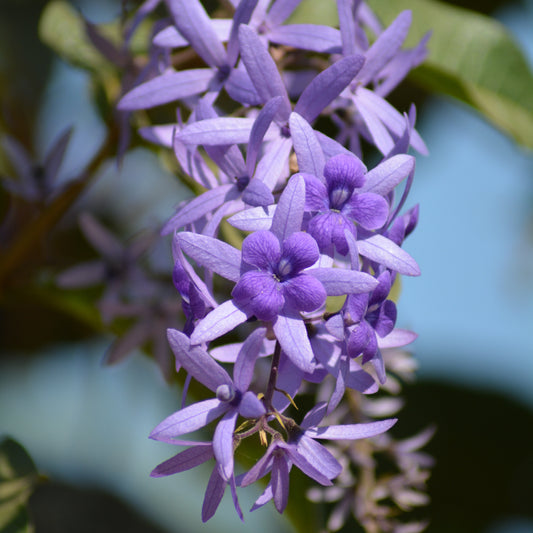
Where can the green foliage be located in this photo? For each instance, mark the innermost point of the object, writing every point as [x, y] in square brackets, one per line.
[18, 476]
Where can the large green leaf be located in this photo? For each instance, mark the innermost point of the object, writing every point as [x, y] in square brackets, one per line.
[18, 476]
[472, 57]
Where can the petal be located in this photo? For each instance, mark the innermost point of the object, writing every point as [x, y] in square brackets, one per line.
[356, 306]
[184, 460]
[196, 361]
[255, 219]
[289, 213]
[383, 251]
[251, 406]
[327, 85]
[223, 443]
[281, 10]
[344, 172]
[217, 131]
[358, 379]
[386, 319]
[279, 479]
[340, 281]
[243, 370]
[359, 338]
[261, 249]
[352, 431]
[240, 88]
[274, 165]
[304, 293]
[257, 194]
[260, 468]
[314, 416]
[290, 378]
[306, 467]
[317, 455]
[190, 419]
[308, 150]
[389, 173]
[242, 15]
[396, 338]
[260, 293]
[220, 320]
[300, 250]
[165, 88]
[263, 70]
[291, 333]
[213, 495]
[321, 227]
[322, 39]
[212, 253]
[316, 194]
[368, 209]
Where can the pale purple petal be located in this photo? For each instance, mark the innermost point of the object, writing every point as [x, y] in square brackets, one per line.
[352, 431]
[251, 406]
[260, 468]
[281, 10]
[357, 305]
[185, 460]
[304, 292]
[378, 132]
[358, 379]
[261, 249]
[396, 338]
[274, 165]
[242, 15]
[289, 380]
[100, 238]
[339, 281]
[196, 361]
[279, 480]
[233, 489]
[388, 174]
[322, 39]
[347, 26]
[385, 48]
[243, 370]
[170, 37]
[190, 419]
[330, 147]
[327, 85]
[212, 253]
[265, 497]
[162, 134]
[335, 326]
[198, 207]
[306, 467]
[257, 194]
[167, 87]
[255, 219]
[352, 249]
[308, 151]
[314, 416]
[318, 455]
[260, 293]
[213, 495]
[386, 253]
[263, 70]
[220, 320]
[195, 25]
[292, 336]
[288, 216]
[259, 129]
[223, 443]
[240, 88]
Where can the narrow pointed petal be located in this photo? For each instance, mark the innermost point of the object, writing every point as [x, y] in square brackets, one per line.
[292, 336]
[243, 370]
[198, 207]
[170, 37]
[223, 443]
[381, 137]
[195, 25]
[358, 379]
[167, 87]
[222, 319]
[288, 216]
[255, 219]
[242, 15]
[322, 39]
[212, 253]
[338, 281]
[265, 497]
[260, 468]
[183, 461]
[240, 88]
[279, 479]
[308, 151]
[386, 253]
[396, 338]
[190, 419]
[100, 238]
[263, 70]
[327, 85]
[274, 165]
[307, 468]
[83, 275]
[196, 361]
[388, 174]
[314, 416]
[217, 131]
[317, 455]
[258, 131]
[290, 378]
[352, 431]
[213, 495]
[347, 26]
[385, 47]
[233, 489]
[281, 10]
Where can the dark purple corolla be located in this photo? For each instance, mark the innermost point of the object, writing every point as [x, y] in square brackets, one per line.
[277, 280]
[337, 205]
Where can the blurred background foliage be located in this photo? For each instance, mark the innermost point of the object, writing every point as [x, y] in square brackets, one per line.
[86, 426]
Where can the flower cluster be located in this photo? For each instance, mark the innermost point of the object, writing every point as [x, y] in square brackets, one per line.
[309, 285]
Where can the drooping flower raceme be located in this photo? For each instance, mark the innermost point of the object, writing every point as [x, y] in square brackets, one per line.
[308, 287]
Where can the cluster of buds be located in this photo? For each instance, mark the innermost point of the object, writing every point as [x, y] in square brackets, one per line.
[318, 236]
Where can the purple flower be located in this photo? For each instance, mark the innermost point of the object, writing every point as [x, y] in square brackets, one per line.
[337, 204]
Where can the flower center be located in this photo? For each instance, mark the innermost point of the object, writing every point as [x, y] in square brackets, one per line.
[338, 197]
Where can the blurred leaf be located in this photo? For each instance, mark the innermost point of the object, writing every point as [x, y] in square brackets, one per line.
[18, 476]
[473, 58]
[62, 28]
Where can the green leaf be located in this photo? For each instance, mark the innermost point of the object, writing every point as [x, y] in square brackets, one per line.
[62, 28]
[472, 58]
[18, 477]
